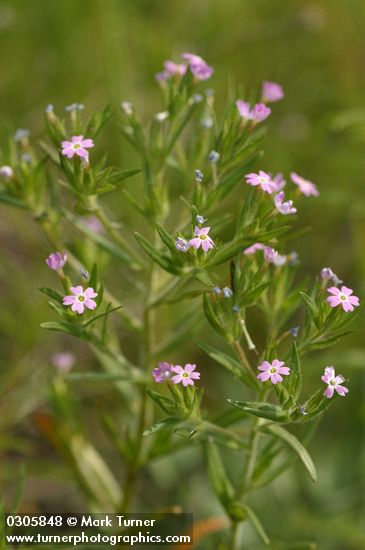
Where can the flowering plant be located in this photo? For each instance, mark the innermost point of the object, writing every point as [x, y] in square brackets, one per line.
[195, 166]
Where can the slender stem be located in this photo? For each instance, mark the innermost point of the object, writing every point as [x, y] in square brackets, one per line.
[233, 543]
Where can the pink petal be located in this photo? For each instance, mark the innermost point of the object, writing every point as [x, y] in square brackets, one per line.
[69, 153]
[333, 301]
[341, 390]
[204, 230]
[68, 300]
[195, 243]
[90, 293]
[77, 290]
[78, 306]
[275, 378]
[77, 139]
[347, 306]
[284, 370]
[207, 245]
[178, 369]
[334, 290]
[82, 153]
[90, 304]
[189, 368]
[176, 379]
[87, 143]
[66, 144]
[265, 366]
[263, 376]
[276, 363]
[195, 375]
[347, 291]
[354, 300]
[187, 382]
[328, 392]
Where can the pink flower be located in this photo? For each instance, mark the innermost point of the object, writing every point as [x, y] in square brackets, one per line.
[77, 146]
[63, 361]
[273, 371]
[56, 260]
[263, 180]
[186, 375]
[327, 273]
[273, 257]
[81, 299]
[306, 187]
[6, 172]
[200, 69]
[284, 207]
[342, 297]
[271, 92]
[333, 383]
[259, 112]
[253, 248]
[280, 181]
[201, 239]
[171, 69]
[162, 372]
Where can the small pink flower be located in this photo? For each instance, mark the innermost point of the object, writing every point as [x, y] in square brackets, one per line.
[280, 181]
[77, 146]
[56, 260]
[262, 179]
[342, 297]
[63, 361]
[272, 256]
[271, 92]
[273, 371]
[200, 69]
[162, 372]
[327, 273]
[171, 69]
[284, 207]
[81, 299]
[306, 187]
[201, 239]
[253, 248]
[185, 375]
[259, 112]
[333, 383]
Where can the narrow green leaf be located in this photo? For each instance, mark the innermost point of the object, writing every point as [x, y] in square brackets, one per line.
[96, 317]
[163, 425]
[263, 410]
[64, 326]
[52, 294]
[12, 201]
[165, 237]
[218, 477]
[294, 443]
[211, 315]
[166, 404]
[257, 524]
[293, 382]
[166, 263]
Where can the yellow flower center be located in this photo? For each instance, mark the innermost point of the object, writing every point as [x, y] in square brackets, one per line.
[273, 370]
[185, 375]
[80, 298]
[202, 237]
[76, 146]
[343, 297]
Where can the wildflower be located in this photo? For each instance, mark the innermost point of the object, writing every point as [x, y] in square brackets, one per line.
[273, 371]
[263, 180]
[333, 383]
[200, 219]
[199, 176]
[197, 98]
[213, 157]
[56, 260]
[74, 107]
[342, 297]
[161, 117]
[162, 372]
[6, 172]
[202, 239]
[27, 158]
[293, 258]
[127, 107]
[279, 180]
[21, 133]
[271, 92]
[49, 109]
[302, 410]
[185, 375]
[306, 187]
[273, 257]
[171, 69]
[336, 280]
[84, 274]
[94, 224]
[227, 292]
[77, 146]
[253, 248]
[259, 112]
[63, 361]
[236, 308]
[294, 332]
[81, 299]
[217, 290]
[327, 273]
[200, 69]
[181, 244]
[284, 207]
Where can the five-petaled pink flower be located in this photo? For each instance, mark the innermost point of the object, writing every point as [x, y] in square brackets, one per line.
[56, 260]
[201, 239]
[171, 69]
[259, 112]
[273, 371]
[185, 375]
[262, 179]
[81, 299]
[77, 146]
[342, 297]
[272, 256]
[271, 92]
[200, 69]
[306, 187]
[333, 383]
[284, 207]
[162, 372]
[253, 248]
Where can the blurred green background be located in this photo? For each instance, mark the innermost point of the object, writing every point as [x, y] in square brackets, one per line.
[106, 51]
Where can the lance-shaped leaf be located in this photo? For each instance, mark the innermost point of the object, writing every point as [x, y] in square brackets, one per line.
[163, 425]
[263, 410]
[165, 403]
[13, 201]
[294, 443]
[52, 294]
[67, 328]
[218, 477]
[311, 307]
[166, 238]
[228, 362]
[163, 261]
[227, 251]
[212, 317]
[206, 431]
[314, 406]
[257, 524]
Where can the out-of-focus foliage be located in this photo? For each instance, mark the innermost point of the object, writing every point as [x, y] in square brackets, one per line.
[106, 51]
